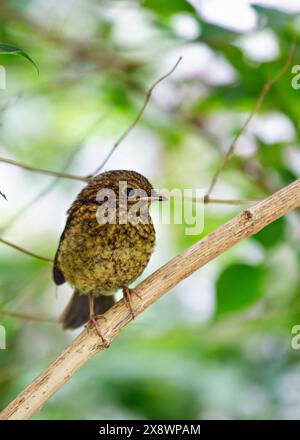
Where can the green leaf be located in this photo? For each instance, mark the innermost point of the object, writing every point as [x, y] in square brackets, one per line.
[238, 286]
[272, 234]
[13, 50]
[168, 7]
[3, 195]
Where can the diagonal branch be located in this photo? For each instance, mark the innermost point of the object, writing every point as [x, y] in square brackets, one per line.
[257, 105]
[87, 344]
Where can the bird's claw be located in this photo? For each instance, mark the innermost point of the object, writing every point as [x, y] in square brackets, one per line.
[127, 293]
[93, 325]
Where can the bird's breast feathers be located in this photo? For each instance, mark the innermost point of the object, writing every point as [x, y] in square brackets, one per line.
[102, 258]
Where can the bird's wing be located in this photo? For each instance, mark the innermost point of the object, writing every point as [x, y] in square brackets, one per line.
[58, 275]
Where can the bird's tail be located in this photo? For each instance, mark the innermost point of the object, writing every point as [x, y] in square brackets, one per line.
[77, 311]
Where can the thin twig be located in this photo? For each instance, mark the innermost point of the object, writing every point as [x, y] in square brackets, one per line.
[29, 289]
[207, 200]
[88, 343]
[136, 119]
[25, 317]
[52, 185]
[257, 105]
[191, 199]
[25, 251]
[28, 205]
[43, 171]
[113, 149]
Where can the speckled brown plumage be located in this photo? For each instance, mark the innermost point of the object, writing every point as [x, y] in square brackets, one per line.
[99, 259]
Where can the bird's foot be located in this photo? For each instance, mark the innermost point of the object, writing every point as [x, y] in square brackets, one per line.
[93, 324]
[127, 293]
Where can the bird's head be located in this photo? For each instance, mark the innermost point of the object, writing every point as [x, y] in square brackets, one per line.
[127, 190]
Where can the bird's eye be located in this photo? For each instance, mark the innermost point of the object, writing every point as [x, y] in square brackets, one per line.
[130, 192]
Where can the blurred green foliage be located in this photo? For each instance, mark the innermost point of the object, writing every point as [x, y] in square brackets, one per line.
[237, 279]
[219, 345]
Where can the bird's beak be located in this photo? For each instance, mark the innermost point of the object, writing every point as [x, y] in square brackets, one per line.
[155, 197]
[158, 197]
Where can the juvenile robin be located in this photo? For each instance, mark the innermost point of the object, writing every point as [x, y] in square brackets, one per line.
[106, 244]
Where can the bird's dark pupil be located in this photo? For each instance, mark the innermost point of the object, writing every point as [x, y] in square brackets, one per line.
[130, 192]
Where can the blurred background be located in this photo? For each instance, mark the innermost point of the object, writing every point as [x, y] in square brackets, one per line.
[219, 344]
